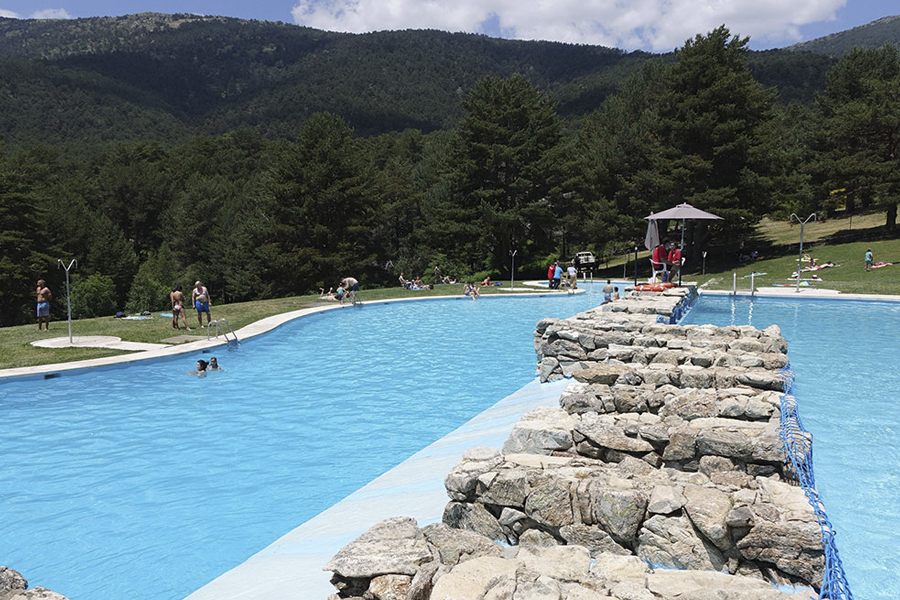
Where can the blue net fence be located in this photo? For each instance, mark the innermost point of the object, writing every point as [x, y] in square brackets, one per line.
[798, 446]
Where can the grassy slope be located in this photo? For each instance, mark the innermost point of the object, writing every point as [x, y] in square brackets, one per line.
[835, 240]
[16, 349]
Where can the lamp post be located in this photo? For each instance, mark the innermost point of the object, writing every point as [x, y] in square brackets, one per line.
[800, 258]
[512, 270]
[635, 266]
[704, 269]
[60, 263]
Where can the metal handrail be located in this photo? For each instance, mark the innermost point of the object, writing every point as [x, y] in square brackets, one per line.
[218, 323]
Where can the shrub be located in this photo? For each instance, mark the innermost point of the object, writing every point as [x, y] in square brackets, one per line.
[93, 296]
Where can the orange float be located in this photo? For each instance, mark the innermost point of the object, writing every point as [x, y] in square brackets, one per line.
[654, 287]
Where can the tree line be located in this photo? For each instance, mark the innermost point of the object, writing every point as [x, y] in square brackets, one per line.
[257, 217]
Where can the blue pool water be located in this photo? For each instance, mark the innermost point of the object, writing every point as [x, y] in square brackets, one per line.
[846, 357]
[144, 482]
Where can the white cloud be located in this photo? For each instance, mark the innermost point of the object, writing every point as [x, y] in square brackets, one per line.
[9, 14]
[51, 13]
[656, 25]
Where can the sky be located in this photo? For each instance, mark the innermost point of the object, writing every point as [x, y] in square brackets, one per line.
[650, 25]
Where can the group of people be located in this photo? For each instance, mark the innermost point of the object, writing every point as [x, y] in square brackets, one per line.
[203, 366]
[415, 284]
[610, 292]
[200, 301]
[666, 257]
[555, 275]
[347, 289]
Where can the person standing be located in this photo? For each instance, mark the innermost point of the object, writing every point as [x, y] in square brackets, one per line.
[674, 262]
[608, 290]
[177, 299]
[550, 271]
[43, 304]
[557, 275]
[870, 260]
[573, 276]
[200, 301]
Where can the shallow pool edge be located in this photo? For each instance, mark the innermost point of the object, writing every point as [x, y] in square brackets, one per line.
[292, 566]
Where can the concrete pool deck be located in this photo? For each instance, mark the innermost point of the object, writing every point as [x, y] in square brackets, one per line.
[291, 567]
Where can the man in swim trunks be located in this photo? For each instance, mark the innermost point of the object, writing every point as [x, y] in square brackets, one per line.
[43, 304]
[200, 300]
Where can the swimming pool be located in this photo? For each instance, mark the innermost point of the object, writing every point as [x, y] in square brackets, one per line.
[144, 482]
[844, 355]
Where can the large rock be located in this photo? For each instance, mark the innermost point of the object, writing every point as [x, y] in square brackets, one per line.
[601, 373]
[795, 547]
[474, 517]
[11, 582]
[457, 545]
[673, 542]
[605, 432]
[549, 502]
[708, 509]
[544, 430]
[393, 546]
[472, 579]
[618, 512]
[710, 585]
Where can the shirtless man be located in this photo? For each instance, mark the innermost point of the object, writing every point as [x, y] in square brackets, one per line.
[43, 304]
[351, 286]
[177, 298]
[200, 300]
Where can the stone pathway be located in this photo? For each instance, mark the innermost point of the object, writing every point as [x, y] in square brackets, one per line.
[96, 341]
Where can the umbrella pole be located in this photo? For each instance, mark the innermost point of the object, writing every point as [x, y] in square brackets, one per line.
[681, 251]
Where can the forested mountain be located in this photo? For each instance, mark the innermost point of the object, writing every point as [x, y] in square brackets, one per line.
[169, 77]
[267, 159]
[872, 35]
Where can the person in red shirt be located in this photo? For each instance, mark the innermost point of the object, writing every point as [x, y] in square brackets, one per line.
[674, 262]
[658, 257]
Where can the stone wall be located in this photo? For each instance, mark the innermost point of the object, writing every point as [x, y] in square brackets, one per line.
[663, 452]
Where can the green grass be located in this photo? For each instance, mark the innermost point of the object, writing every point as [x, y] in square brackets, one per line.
[836, 240]
[16, 349]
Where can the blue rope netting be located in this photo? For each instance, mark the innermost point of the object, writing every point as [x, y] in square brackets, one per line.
[798, 446]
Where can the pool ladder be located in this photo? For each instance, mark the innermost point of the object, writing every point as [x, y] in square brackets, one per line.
[220, 325]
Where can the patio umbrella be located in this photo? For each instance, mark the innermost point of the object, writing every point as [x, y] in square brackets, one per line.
[651, 240]
[684, 212]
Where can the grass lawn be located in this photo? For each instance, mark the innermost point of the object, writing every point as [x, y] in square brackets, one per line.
[835, 240]
[16, 349]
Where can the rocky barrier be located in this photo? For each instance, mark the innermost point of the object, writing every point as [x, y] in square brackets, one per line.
[660, 475]
[14, 587]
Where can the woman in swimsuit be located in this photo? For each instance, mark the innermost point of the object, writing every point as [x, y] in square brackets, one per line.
[177, 298]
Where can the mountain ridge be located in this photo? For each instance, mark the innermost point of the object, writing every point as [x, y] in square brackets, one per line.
[172, 76]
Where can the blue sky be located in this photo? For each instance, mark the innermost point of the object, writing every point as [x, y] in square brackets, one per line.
[652, 25]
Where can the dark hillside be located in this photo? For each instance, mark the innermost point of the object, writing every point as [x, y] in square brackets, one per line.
[169, 77]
